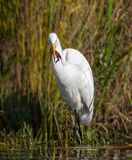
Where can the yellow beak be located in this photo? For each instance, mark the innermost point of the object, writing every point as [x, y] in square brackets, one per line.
[55, 54]
[53, 50]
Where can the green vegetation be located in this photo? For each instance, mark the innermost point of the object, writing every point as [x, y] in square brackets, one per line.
[31, 110]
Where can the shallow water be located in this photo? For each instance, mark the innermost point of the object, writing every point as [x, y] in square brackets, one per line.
[83, 153]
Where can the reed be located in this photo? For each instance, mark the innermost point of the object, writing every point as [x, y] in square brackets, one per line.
[101, 30]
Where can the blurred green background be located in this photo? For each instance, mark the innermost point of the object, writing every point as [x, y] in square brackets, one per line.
[30, 104]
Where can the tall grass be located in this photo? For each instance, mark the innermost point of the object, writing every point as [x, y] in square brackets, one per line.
[101, 30]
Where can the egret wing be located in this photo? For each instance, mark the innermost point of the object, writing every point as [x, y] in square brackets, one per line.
[86, 85]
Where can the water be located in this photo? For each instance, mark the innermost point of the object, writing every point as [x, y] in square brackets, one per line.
[83, 153]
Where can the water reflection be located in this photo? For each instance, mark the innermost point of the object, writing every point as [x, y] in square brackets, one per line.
[84, 153]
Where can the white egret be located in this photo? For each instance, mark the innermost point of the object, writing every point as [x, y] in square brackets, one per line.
[75, 81]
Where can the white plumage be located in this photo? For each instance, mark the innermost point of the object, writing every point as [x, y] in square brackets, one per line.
[74, 79]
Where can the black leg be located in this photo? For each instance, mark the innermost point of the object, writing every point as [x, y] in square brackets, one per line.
[75, 135]
[77, 129]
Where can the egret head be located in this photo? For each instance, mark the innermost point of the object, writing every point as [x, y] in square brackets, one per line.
[55, 46]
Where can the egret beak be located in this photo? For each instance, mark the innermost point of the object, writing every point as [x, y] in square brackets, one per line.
[55, 54]
[53, 50]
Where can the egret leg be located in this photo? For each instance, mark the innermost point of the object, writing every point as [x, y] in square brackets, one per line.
[75, 135]
[77, 128]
